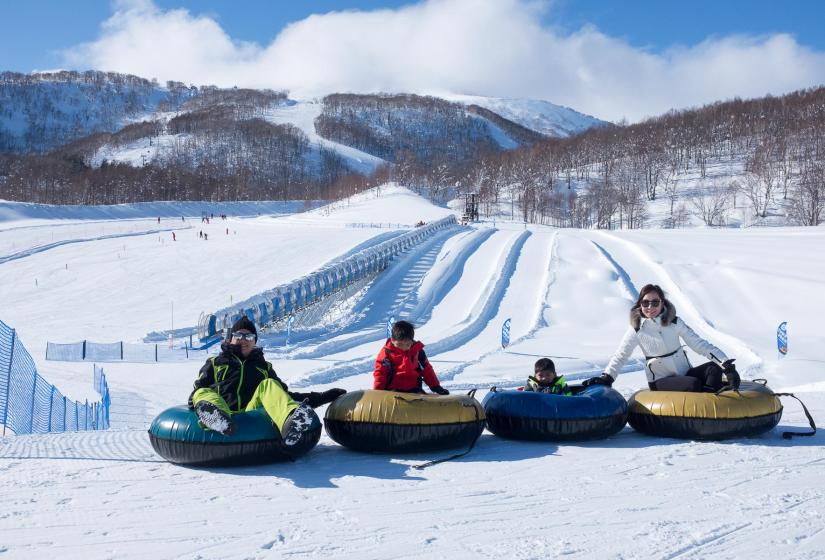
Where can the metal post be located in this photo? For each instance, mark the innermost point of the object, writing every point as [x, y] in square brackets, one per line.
[51, 398]
[8, 382]
[31, 411]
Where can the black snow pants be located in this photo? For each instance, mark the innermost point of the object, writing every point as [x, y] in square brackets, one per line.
[705, 377]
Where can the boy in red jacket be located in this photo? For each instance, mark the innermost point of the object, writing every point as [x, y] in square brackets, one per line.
[401, 364]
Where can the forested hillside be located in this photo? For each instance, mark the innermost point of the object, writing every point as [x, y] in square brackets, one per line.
[140, 141]
[767, 154]
[102, 138]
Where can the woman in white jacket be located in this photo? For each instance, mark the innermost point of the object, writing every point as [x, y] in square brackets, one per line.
[655, 328]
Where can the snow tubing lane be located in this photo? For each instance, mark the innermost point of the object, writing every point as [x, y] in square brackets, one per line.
[593, 412]
[177, 437]
[706, 415]
[390, 421]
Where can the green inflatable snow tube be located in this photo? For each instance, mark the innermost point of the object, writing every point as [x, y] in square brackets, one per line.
[177, 437]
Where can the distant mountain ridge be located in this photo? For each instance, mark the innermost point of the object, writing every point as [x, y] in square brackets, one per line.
[41, 111]
[537, 115]
[44, 111]
[115, 137]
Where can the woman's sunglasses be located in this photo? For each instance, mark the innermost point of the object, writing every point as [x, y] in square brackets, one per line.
[651, 303]
[245, 336]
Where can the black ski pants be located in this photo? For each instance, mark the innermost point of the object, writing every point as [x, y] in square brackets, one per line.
[705, 377]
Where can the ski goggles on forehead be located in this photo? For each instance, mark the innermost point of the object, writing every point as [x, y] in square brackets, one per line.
[245, 336]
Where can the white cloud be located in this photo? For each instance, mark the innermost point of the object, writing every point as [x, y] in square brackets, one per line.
[496, 48]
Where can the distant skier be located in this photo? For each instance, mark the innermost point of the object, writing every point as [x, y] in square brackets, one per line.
[655, 328]
[240, 379]
[173, 236]
[402, 365]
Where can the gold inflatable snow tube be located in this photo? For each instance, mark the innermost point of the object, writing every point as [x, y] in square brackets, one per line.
[374, 420]
[752, 411]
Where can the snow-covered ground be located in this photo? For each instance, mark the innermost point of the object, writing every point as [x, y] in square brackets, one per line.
[107, 495]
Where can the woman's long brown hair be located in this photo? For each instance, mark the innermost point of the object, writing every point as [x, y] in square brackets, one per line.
[646, 289]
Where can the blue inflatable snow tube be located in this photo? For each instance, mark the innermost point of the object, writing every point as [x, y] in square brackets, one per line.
[177, 437]
[593, 412]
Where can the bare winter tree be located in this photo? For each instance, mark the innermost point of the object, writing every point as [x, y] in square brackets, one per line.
[761, 175]
[677, 211]
[711, 205]
[808, 203]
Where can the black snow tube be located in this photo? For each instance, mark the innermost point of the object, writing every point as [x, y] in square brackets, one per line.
[390, 421]
[177, 437]
[592, 412]
[706, 416]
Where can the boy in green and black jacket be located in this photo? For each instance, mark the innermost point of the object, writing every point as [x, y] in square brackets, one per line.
[545, 379]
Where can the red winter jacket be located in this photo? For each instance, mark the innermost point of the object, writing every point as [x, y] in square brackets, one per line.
[396, 370]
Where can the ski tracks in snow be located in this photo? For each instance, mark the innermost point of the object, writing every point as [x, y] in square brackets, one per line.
[642, 264]
[441, 294]
[48, 246]
[393, 291]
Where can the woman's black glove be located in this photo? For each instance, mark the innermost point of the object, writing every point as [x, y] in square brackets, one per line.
[440, 390]
[603, 379]
[732, 375]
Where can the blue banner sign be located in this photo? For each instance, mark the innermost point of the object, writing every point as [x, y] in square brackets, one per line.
[782, 338]
[505, 334]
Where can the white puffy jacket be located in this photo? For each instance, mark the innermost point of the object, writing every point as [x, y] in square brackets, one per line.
[659, 340]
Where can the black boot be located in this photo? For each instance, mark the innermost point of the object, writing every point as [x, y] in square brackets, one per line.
[297, 425]
[214, 418]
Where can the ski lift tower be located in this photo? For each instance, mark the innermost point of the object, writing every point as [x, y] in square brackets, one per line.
[470, 208]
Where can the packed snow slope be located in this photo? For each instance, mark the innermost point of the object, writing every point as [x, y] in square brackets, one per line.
[107, 495]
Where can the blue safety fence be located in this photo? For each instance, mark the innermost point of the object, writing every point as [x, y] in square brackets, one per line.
[87, 351]
[30, 404]
[283, 301]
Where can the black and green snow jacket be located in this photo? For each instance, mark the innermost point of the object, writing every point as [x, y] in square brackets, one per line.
[558, 387]
[236, 378]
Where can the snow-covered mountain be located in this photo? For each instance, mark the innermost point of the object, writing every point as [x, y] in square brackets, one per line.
[44, 111]
[536, 114]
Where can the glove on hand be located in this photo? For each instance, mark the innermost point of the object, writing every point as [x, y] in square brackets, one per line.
[331, 394]
[730, 372]
[603, 379]
[316, 399]
[440, 390]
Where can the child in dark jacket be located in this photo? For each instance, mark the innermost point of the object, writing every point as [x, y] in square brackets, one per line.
[402, 365]
[545, 379]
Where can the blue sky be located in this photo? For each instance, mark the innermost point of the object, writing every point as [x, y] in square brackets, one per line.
[35, 31]
[650, 55]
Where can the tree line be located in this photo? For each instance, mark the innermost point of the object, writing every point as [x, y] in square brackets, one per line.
[220, 146]
[605, 177]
